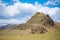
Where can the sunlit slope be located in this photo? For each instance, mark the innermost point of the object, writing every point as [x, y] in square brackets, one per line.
[39, 27]
[16, 35]
[25, 35]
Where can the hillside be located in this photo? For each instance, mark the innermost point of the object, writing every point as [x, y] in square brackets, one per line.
[39, 23]
[39, 27]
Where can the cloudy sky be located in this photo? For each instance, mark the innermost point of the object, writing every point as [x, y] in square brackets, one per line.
[20, 11]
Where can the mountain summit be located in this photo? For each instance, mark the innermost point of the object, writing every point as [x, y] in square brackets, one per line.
[41, 18]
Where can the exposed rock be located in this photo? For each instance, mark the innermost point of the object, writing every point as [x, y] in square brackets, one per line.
[38, 29]
[21, 27]
[41, 18]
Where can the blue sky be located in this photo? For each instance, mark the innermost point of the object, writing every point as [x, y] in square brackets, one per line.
[20, 11]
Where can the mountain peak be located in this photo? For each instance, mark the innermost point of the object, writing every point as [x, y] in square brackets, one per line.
[41, 18]
[39, 23]
[38, 13]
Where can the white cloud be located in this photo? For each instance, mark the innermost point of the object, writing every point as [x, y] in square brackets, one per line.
[8, 10]
[19, 7]
[16, 0]
[11, 21]
[22, 8]
[14, 21]
[52, 2]
[16, 8]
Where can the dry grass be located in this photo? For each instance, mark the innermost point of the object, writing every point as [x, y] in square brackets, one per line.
[17, 35]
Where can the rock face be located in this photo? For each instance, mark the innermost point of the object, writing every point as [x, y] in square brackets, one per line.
[41, 18]
[38, 29]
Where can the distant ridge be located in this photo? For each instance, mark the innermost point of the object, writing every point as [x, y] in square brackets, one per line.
[8, 27]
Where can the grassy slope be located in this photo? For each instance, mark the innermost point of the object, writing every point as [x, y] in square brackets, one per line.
[23, 35]
[46, 36]
[17, 35]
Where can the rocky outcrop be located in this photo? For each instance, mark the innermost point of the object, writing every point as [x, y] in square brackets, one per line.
[41, 18]
[38, 29]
